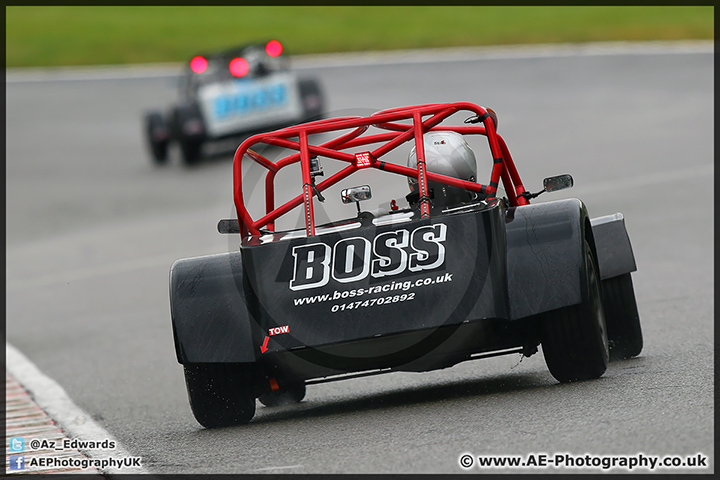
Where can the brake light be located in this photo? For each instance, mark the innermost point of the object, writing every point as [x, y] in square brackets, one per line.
[273, 48]
[198, 64]
[239, 67]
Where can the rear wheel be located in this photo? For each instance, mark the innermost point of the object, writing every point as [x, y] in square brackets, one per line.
[189, 130]
[621, 314]
[158, 136]
[575, 344]
[190, 150]
[312, 99]
[220, 394]
[288, 393]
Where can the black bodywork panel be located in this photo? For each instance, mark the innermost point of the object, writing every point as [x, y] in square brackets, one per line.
[421, 274]
[444, 287]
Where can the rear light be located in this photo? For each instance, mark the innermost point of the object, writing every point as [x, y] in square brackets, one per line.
[239, 67]
[198, 64]
[273, 48]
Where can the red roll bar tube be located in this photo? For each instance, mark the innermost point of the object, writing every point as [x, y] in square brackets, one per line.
[395, 134]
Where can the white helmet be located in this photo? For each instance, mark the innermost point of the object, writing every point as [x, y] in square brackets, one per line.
[446, 153]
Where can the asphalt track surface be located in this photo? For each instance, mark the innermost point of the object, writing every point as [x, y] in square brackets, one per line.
[93, 227]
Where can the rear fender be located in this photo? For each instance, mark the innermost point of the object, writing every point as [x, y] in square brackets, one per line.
[210, 319]
[614, 252]
[545, 256]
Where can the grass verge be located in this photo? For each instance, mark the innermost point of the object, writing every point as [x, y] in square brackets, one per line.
[86, 35]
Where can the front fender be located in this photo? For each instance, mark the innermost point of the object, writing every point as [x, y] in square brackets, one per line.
[210, 319]
[545, 256]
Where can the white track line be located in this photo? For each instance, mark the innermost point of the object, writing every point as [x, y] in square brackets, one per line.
[390, 57]
[502, 52]
[268, 469]
[72, 419]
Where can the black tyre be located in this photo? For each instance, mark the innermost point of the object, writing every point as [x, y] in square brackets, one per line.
[575, 344]
[622, 317]
[289, 392]
[189, 130]
[190, 150]
[312, 99]
[221, 395]
[158, 136]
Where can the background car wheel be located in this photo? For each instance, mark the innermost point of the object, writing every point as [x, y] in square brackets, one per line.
[190, 150]
[189, 130]
[575, 344]
[221, 395]
[158, 136]
[312, 99]
[622, 318]
[289, 392]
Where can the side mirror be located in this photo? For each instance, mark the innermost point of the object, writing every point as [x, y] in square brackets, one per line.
[356, 194]
[560, 182]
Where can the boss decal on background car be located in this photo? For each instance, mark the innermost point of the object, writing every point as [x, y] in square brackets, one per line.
[242, 101]
[353, 259]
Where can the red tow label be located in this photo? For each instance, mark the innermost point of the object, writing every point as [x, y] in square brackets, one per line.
[273, 331]
[279, 330]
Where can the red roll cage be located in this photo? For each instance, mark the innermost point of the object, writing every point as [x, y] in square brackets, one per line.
[396, 135]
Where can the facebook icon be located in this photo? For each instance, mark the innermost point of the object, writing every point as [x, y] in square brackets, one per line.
[17, 462]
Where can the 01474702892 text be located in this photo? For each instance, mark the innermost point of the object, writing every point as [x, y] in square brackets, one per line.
[392, 287]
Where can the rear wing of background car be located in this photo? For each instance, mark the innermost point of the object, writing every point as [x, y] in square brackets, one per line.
[347, 147]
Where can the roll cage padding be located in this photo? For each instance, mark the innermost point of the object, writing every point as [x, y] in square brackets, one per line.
[396, 134]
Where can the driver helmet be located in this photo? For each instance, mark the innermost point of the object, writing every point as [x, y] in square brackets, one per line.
[446, 153]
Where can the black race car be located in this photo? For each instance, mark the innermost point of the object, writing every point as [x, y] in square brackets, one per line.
[455, 270]
[229, 95]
